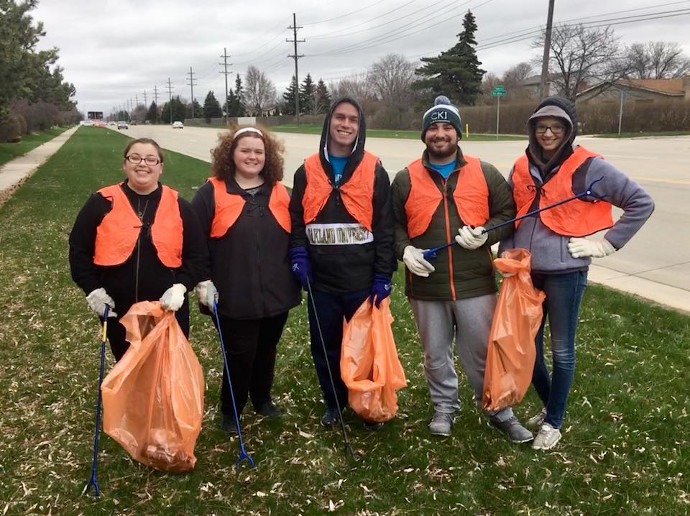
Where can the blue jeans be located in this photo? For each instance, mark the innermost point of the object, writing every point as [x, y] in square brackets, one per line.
[331, 310]
[562, 307]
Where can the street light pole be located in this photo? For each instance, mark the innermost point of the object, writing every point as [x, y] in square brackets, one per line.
[543, 83]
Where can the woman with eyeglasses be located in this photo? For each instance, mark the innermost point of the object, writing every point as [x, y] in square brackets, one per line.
[137, 240]
[563, 240]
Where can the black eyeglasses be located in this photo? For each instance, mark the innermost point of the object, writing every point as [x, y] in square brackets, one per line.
[149, 160]
[556, 129]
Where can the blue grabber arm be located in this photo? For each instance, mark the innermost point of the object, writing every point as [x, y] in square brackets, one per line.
[432, 253]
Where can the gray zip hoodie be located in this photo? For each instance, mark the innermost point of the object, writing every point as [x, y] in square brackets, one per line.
[550, 250]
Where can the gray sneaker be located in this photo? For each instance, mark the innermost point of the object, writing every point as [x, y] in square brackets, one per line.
[535, 422]
[441, 423]
[513, 430]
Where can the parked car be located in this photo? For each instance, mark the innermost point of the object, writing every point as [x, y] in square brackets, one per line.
[177, 125]
[122, 125]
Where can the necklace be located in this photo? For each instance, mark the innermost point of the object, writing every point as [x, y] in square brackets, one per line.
[141, 212]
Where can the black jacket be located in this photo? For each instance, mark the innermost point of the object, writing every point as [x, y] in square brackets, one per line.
[349, 267]
[142, 277]
[250, 264]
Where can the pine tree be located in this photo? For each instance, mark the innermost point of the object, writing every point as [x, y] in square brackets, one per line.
[212, 107]
[307, 91]
[322, 98]
[289, 98]
[152, 113]
[455, 72]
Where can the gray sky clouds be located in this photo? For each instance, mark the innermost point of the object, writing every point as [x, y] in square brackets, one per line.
[120, 51]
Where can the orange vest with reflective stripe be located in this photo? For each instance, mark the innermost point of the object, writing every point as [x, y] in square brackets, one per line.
[357, 193]
[118, 232]
[229, 207]
[471, 196]
[573, 218]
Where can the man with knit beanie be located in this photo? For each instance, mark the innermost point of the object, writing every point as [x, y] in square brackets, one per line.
[452, 295]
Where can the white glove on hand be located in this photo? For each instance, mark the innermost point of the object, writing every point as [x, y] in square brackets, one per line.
[206, 293]
[415, 262]
[582, 248]
[471, 238]
[97, 300]
[173, 298]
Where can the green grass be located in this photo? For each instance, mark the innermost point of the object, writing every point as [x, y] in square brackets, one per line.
[385, 133]
[9, 151]
[642, 134]
[624, 448]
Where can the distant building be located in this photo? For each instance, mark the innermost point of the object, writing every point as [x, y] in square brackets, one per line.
[638, 90]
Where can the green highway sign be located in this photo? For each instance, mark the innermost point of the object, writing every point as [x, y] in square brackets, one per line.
[498, 91]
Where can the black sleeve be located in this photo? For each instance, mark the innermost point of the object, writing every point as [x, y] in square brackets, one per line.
[195, 256]
[383, 225]
[501, 204]
[298, 234]
[204, 208]
[82, 243]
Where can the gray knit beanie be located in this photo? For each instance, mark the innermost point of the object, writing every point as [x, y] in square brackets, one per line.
[444, 112]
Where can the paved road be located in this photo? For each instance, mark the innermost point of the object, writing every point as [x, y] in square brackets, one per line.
[654, 265]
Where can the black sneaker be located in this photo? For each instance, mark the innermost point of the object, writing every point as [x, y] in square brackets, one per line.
[373, 426]
[330, 417]
[227, 424]
[269, 410]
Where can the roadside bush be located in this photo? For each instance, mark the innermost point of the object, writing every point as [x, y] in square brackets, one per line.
[10, 129]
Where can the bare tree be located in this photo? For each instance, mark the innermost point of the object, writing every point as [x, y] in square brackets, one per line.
[259, 92]
[581, 57]
[390, 80]
[656, 60]
[514, 76]
[357, 87]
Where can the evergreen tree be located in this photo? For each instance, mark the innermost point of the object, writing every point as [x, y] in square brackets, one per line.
[178, 111]
[306, 96]
[322, 98]
[212, 108]
[152, 113]
[455, 72]
[239, 109]
[289, 98]
[194, 110]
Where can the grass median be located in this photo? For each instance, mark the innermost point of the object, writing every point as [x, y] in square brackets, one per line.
[624, 449]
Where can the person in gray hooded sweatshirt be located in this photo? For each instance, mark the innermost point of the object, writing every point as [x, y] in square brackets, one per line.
[564, 239]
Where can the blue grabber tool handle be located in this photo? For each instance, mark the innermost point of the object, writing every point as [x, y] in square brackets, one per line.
[430, 254]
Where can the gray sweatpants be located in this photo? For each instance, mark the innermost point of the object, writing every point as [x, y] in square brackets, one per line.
[468, 322]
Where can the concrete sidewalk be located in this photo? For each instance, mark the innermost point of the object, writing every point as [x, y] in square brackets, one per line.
[16, 171]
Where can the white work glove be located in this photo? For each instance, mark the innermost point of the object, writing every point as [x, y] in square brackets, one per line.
[471, 238]
[173, 298]
[415, 262]
[206, 293]
[97, 300]
[582, 248]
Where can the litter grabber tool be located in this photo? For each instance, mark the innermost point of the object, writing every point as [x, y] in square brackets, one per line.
[346, 441]
[93, 481]
[432, 253]
[243, 455]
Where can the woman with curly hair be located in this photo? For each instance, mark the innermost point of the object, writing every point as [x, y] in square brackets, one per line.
[243, 209]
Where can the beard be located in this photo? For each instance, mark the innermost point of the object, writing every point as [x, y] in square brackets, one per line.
[442, 154]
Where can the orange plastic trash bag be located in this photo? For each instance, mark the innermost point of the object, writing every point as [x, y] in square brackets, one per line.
[153, 398]
[511, 352]
[369, 363]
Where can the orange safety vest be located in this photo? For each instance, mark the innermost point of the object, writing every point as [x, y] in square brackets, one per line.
[357, 193]
[229, 207]
[573, 218]
[118, 232]
[471, 196]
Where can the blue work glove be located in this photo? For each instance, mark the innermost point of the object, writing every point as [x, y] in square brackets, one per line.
[301, 268]
[380, 289]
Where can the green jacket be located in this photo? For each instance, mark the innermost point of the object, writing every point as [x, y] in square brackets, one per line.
[460, 273]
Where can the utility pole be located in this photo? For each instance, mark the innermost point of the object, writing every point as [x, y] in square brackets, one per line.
[170, 103]
[191, 85]
[225, 72]
[296, 57]
[155, 99]
[145, 103]
[544, 83]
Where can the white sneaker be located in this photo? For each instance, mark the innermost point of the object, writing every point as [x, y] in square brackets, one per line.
[547, 437]
[535, 422]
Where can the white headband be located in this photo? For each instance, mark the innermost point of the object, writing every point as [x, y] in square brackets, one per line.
[248, 130]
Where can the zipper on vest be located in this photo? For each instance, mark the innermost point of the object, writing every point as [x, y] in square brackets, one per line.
[448, 239]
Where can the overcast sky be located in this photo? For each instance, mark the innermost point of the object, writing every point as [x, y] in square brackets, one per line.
[120, 52]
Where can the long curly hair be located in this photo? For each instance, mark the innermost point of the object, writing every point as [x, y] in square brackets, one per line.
[223, 164]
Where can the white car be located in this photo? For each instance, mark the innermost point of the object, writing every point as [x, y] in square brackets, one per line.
[178, 125]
